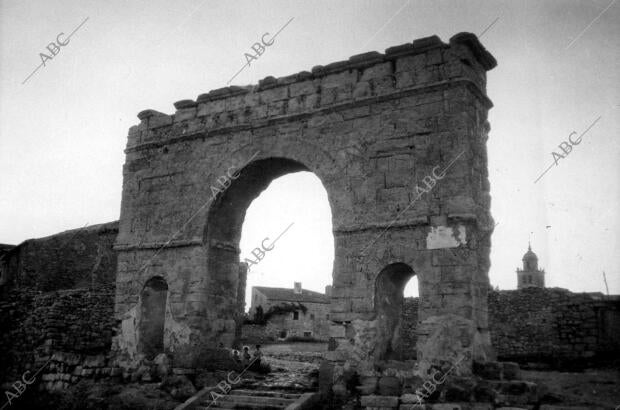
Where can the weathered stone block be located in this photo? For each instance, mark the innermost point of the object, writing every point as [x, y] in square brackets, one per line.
[410, 406]
[339, 79]
[179, 387]
[379, 401]
[302, 88]
[488, 370]
[362, 90]
[274, 94]
[434, 56]
[376, 71]
[389, 386]
[449, 406]
[276, 108]
[481, 406]
[511, 371]
[411, 63]
[405, 79]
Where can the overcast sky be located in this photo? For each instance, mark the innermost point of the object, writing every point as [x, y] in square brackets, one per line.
[63, 131]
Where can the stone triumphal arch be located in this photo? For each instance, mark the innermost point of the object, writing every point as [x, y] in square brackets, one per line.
[399, 142]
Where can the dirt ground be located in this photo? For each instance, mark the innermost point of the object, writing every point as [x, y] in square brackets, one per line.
[591, 388]
[294, 363]
[294, 348]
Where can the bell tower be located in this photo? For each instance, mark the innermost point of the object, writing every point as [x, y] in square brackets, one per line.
[530, 275]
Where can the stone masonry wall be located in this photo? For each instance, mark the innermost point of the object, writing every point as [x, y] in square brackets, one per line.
[535, 323]
[78, 258]
[409, 324]
[551, 322]
[71, 328]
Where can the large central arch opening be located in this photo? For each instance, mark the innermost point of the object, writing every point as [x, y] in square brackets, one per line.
[268, 231]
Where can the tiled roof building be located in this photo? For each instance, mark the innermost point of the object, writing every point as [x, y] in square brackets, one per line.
[307, 313]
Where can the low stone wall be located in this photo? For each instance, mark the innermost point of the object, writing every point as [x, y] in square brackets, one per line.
[552, 323]
[68, 333]
[271, 332]
[257, 334]
[19, 337]
[535, 323]
[302, 357]
[409, 322]
[65, 369]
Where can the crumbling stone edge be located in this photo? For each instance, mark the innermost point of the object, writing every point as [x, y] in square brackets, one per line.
[305, 402]
[192, 402]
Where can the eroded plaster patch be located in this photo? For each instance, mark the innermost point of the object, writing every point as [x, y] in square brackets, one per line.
[175, 332]
[441, 237]
[129, 340]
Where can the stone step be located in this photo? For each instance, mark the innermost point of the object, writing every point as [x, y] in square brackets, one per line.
[233, 400]
[239, 406]
[266, 393]
[269, 401]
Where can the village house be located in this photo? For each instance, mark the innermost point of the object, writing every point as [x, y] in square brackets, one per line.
[292, 312]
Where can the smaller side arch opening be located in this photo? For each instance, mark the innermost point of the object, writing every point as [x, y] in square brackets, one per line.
[389, 303]
[152, 317]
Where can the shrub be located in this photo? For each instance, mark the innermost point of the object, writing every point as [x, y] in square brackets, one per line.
[286, 307]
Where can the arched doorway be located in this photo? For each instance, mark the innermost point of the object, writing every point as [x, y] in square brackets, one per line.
[226, 266]
[152, 317]
[395, 326]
